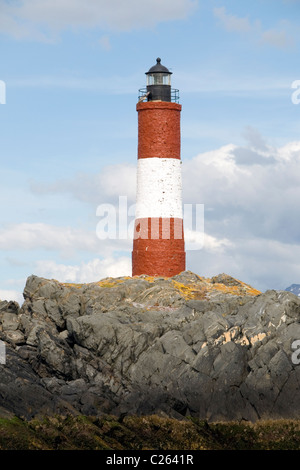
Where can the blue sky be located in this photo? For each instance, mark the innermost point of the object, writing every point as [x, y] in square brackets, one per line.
[68, 130]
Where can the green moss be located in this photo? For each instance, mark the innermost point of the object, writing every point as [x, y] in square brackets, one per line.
[16, 434]
[145, 432]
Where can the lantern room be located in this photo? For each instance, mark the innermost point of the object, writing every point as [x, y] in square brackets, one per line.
[159, 82]
[159, 85]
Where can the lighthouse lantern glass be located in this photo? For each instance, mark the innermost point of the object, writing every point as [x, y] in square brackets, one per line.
[159, 79]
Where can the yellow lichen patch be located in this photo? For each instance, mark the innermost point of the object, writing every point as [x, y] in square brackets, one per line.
[107, 282]
[249, 289]
[205, 287]
[233, 290]
[190, 291]
[150, 278]
[200, 289]
[70, 284]
[240, 289]
[111, 282]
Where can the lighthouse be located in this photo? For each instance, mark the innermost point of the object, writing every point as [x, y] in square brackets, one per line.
[158, 241]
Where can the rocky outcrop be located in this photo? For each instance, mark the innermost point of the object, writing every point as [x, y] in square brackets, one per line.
[212, 348]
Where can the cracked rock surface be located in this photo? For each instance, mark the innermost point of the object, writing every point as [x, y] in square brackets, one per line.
[212, 348]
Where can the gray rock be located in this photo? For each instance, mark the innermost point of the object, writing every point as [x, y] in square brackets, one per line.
[10, 321]
[9, 306]
[56, 354]
[213, 348]
[15, 337]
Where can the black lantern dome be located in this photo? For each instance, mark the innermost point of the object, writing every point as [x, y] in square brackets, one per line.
[159, 85]
[158, 68]
[159, 82]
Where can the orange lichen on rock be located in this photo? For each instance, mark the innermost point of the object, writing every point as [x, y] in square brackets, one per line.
[71, 284]
[236, 290]
[205, 287]
[190, 291]
[111, 282]
[107, 282]
[187, 284]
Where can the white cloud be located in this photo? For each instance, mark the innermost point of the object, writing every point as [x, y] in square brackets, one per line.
[44, 19]
[262, 263]
[232, 22]
[276, 37]
[64, 240]
[91, 271]
[251, 192]
[214, 244]
[104, 187]
[11, 295]
[200, 240]
[254, 139]
[279, 39]
[28, 236]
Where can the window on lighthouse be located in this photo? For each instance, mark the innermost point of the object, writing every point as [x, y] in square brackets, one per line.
[159, 79]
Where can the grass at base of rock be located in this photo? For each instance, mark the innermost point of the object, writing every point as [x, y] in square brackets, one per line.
[145, 433]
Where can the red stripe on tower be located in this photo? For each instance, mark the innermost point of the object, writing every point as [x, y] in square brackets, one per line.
[158, 244]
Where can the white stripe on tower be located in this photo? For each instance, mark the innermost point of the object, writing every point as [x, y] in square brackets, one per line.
[159, 188]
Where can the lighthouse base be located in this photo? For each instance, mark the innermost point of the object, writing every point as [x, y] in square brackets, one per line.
[157, 263]
[158, 247]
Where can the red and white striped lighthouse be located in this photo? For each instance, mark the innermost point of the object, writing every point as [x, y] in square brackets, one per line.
[158, 244]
